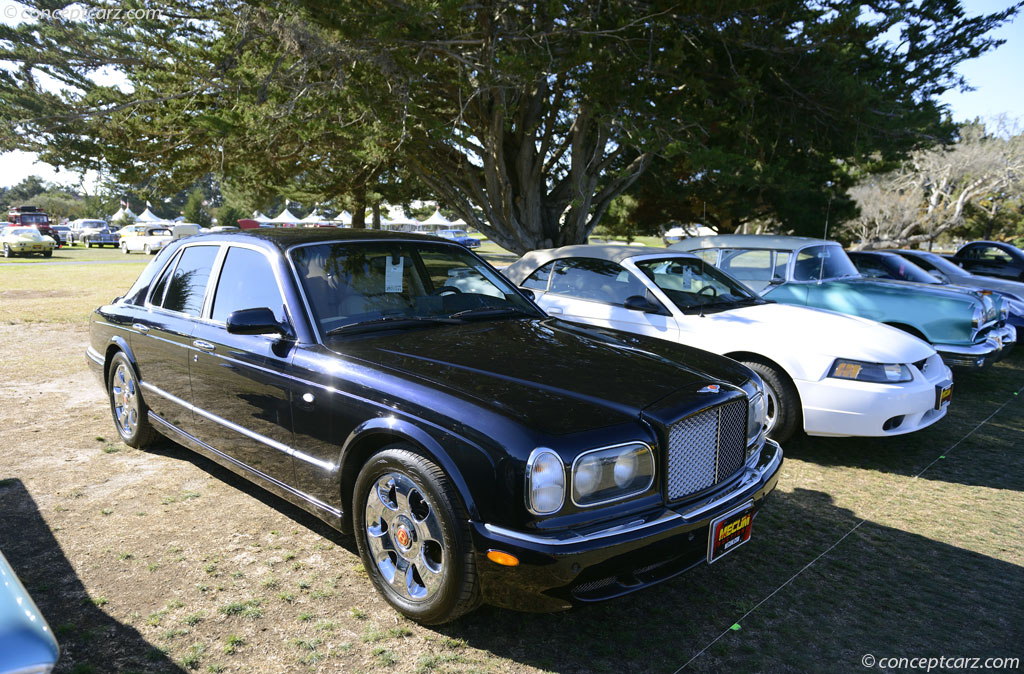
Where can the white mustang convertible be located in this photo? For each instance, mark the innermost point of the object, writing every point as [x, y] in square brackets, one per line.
[831, 373]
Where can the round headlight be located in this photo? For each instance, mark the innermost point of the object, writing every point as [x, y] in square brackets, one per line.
[545, 478]
[625, 469]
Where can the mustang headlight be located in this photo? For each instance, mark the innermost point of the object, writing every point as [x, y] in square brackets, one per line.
[754, 388]
[612, 473]
[881, 373]
[545, 482]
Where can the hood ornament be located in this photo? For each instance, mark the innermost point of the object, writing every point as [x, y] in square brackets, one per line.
[711, 388]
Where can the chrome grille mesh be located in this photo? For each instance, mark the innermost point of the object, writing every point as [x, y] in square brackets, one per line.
[706, 448]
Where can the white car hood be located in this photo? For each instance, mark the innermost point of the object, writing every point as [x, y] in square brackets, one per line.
[805, 339]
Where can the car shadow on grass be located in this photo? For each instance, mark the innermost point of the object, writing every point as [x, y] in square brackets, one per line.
[167, 448]
[982, 454]
[91, 641]
[881, 591]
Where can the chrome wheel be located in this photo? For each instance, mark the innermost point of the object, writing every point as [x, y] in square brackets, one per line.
[404, 537]
[771, 409]
[124, 398]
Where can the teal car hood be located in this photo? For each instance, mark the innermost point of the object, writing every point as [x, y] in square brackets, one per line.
[25, 639]
[991, 304]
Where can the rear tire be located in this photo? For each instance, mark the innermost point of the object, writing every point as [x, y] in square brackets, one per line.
[782, 402]
[48, 253]
[124, 248]
[7, 251]
[126, 404]
[413, 537]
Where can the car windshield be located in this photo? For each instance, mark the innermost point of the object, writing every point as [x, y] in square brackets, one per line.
[692, 283]
[24, 232]
[159, 232]
[355, 286]
[931, 261]
[452, 233]
[34, 218]
[823, 263]
[905, 270]
[94, 223]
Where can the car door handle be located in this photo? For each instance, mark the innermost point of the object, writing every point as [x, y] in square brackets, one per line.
[203, 346]
[554, 310]
[140, 327]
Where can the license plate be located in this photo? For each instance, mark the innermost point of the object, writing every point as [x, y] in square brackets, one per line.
[943, 394]
[730, 531]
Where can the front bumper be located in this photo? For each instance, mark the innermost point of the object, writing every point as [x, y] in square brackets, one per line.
[998, 344]
[557, 570]
[841, 408]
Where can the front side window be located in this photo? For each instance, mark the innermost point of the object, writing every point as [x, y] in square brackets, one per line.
[354, 286]
[992, 254]
[186, 286]
[822, 263]
[591, 279]
[694, 284]
[246, 281]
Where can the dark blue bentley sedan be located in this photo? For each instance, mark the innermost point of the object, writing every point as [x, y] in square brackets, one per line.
[399, 388]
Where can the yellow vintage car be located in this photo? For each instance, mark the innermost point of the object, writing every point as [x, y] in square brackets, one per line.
[25, 241]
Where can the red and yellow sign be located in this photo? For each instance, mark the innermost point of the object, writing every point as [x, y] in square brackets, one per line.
[730, 531]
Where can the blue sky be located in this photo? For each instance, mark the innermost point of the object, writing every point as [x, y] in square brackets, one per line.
[997, 77]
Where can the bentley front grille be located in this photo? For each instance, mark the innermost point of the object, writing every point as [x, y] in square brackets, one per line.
[706, 448]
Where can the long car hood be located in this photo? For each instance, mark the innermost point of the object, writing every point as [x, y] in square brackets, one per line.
[554, 376]
[804, 340]
[892, 287]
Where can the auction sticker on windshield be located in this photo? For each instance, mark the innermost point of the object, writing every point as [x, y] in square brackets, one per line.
[730, 531]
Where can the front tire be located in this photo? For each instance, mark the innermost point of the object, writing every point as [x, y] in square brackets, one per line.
[146, 250]
[413, 537]
[124, 248]
[7, 251]
[126, 404]
[782, 402]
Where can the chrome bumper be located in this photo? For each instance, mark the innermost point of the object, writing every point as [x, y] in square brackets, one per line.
[997, 345]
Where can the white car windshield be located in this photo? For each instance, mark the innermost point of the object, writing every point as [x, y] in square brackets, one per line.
[692, 283]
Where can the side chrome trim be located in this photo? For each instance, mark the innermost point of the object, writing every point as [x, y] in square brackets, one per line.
[94, 355]
[270, 442]
[751, 479]
[276, 484]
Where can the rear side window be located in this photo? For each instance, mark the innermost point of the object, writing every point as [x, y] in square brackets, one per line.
[186, 287]
[246, 281]
[538, 280]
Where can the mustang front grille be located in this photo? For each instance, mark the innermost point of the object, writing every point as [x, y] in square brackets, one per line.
[706, 448]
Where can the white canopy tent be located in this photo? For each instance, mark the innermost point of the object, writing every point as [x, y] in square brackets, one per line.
[438, 220]
[285, 217]
[148, 216]
[397, 218]
[123, 213]
[259, 217]
[316, 218]
[345, 218]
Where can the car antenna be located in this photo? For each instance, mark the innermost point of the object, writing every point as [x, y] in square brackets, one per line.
[828, 211]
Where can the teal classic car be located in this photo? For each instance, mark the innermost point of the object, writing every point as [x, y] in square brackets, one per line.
[967, 327]
[27, 645]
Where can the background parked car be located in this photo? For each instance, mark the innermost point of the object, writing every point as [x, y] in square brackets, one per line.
[966, 327]
[30, 216]
[992, 258]
[151, 240]
[100, 236]
[910, 266]
[83, 225]
[26, 241]
[459, 236]
[64, 232]
[27, 644]
[829, 373]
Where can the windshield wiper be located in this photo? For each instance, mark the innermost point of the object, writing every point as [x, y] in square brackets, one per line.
[388, 322]
[487, 312]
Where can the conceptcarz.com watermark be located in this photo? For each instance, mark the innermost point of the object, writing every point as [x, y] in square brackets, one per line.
[934, 664]
[76, 13]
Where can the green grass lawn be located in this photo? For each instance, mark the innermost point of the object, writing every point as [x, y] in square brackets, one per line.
[76, 253]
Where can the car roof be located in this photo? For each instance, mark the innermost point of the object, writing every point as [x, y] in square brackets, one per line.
[286, 237]
[610, 252]
[773, 241]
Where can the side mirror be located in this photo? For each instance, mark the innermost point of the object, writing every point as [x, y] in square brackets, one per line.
[641, 303]
[255, 322]
[776, 281]
[529, 293]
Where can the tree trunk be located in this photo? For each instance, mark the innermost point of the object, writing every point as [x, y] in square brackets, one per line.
[359, 214]
[376, 216]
